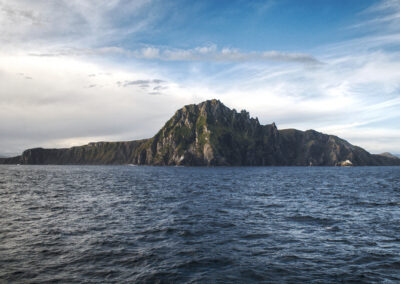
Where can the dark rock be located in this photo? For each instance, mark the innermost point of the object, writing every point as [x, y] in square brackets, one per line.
[389, 155]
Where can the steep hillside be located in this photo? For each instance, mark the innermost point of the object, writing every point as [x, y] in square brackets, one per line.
[212, 134]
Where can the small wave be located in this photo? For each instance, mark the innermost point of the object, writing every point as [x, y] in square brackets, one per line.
[375, 204]
[311, 220]
[255, 236]
[206, 262]
[333, 228]
[115, 225]
[274, 205]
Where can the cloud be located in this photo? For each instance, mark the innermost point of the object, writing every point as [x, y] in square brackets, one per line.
[140, 83]
[202, 53]
[383, 16]
[18, 15]
[388, 8]
[213, 54]
[25, 76]
[83, 22]
[153, 86]
[379, 139]
[64, 107]
[64, 52]
[348, 93]
[159, 88]
[149, 53]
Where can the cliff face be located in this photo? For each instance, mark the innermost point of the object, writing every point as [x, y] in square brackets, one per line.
[92, 154]
[211, 134]
[314, 148]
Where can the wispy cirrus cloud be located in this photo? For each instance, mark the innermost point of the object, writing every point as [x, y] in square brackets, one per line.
[212, 53]
[203, 54]
[83, 22]
[383, 16]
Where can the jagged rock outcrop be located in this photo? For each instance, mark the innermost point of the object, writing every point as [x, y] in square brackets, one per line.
[211, 134]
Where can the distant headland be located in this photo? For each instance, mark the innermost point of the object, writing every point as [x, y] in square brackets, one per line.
[211, 134]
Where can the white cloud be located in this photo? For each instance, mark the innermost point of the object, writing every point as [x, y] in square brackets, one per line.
[383, 16]
[56, 104]
[149, 53]
[213, 54]
[202, 53]
[57, 107]
[85, 22]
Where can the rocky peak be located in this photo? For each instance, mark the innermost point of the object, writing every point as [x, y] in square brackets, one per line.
[211, 133]
[211, 105]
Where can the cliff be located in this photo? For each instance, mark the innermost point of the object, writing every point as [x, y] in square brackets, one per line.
[211, 134]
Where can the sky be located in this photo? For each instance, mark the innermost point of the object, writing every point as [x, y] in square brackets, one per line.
[79, 71]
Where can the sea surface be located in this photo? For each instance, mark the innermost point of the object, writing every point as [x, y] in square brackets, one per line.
[127, 224]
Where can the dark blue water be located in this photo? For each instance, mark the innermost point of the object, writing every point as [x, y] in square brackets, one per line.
[92, 224]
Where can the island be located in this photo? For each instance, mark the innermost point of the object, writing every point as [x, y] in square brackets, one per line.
[211, 134]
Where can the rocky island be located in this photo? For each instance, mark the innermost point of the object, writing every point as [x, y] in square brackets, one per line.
[211, 134]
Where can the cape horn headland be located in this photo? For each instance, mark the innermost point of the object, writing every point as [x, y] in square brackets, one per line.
[211, 134]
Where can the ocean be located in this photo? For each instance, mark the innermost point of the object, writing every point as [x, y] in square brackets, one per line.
[130, 224]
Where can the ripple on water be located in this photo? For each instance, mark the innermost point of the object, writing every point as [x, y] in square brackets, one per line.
[112, 224]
